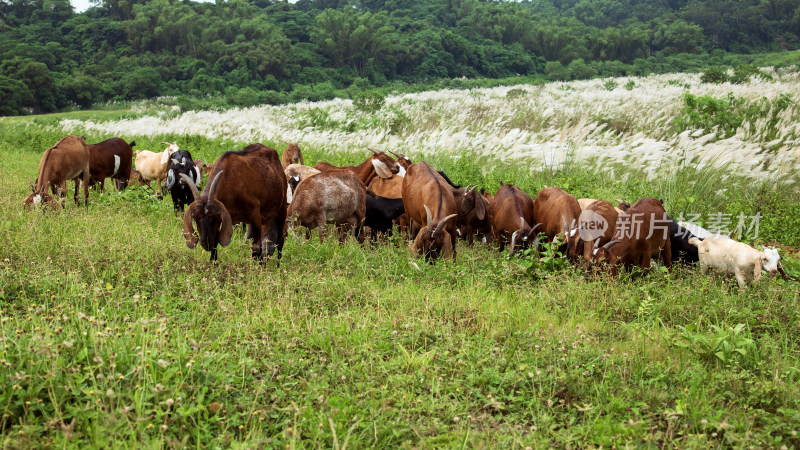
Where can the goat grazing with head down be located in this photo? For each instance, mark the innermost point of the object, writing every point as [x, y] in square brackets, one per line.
[642, 233]
[428, 201]
[727, 256]
[473, 219]
[512, 219]
[596, 226]
[558, 212]
[153, 166]
[67, 160]
[181, 162]
[333, 196]
[247, 186]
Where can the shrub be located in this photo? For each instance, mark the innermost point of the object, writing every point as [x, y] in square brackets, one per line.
[714, 74]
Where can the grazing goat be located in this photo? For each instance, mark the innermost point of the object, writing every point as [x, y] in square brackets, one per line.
[557, 211]
[247, 186]
[153, 166]
[366, 171]
[472, 216]
[402, 159]
[737, 258]
[181, 162]
[642, 233]
[333, 196]
[292, 155]
[380, 214]
[299, 171]
[428, 201]
[67, 160]
[111, 158]
[596, 226]
[682, 250]
[511, 217]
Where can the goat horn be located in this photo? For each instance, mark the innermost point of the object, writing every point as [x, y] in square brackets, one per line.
[165, 143]
[782, 272]
[596, 243]
[611, 244]
[192, 187]
[373, 150]
[442, 223]
[619, 200]
[399, 155]
[566, 226]
[535, 227]
[521, 223]
[430, 216]
[213, 190]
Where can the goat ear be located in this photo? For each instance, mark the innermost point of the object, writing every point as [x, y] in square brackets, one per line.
[480, 208]
[188, 229]
[226, 231]
[301, 160]
[380, 169]
[165, 156]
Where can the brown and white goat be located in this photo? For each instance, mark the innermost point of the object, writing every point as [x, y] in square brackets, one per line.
[428, 201]
[153, 166]
[557, 211]
[111, 158]
[642, 233]
[67, 160]
[292, 155]
[247, 186]
[512, 219]
[334, 196]
[366, 171]
[298, 173]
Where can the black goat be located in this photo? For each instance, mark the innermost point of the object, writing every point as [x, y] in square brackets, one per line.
[682, 250]
[181, 162]
[380, 213]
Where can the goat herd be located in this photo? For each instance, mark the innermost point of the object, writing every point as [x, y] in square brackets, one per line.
[268, 194]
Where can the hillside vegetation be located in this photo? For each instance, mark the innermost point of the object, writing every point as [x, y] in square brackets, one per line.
[245, 53]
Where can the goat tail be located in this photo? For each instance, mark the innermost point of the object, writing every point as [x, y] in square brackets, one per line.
[132, 144]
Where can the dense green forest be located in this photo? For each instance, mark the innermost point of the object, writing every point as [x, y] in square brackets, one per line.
[259, 51]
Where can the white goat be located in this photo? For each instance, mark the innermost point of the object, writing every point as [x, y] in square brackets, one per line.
[728, 256]
[153, 166]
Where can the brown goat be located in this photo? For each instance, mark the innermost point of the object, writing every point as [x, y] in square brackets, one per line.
[428, 201]
[402, 159]
[472, 216]
[247, 186]
[292, 155]
[67, 160]
[511, 216]
[334, 196]
[557, 211]
[642, 233]
[366, 171]
[596, 226]
[113, 159]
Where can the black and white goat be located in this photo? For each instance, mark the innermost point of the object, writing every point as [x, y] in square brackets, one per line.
[181, 162]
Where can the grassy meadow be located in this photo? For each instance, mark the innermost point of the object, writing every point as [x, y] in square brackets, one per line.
[114, 334]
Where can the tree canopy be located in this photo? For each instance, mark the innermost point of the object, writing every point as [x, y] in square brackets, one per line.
[53, 58]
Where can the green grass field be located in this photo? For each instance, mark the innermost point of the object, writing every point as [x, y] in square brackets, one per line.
[115, 334]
